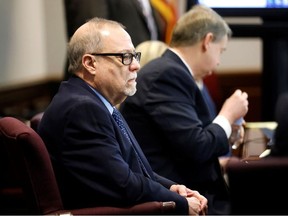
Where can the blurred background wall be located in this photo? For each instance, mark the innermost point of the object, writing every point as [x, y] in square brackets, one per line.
[33, 43]
[33, 56]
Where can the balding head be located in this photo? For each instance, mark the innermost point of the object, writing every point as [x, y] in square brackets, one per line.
[88, 39]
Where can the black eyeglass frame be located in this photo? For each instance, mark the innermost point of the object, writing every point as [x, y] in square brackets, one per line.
[130, 56]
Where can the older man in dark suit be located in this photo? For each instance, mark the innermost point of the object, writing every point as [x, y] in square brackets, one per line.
[93, 151]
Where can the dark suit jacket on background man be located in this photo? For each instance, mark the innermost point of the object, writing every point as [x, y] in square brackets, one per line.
[167, 111]
[127, 12]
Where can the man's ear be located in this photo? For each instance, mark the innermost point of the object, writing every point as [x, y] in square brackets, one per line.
[208, 39]
[89, 63]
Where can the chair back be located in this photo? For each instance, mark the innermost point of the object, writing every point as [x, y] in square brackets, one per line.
[257, 186]
[27, 183]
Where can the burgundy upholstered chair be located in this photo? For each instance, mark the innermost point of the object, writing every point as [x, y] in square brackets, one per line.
[258, 187]
[28, 184]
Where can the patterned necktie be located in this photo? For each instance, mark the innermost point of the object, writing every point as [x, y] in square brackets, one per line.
[117, 117]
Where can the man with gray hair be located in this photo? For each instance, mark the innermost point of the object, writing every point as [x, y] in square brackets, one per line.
[96, 158]
[169, 116]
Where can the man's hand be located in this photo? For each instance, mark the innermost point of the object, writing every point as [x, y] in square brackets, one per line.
[194, 206]
[197, 202]
[235, 107]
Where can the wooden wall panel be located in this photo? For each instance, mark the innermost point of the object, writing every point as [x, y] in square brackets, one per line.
[25, 101]
[249, 82]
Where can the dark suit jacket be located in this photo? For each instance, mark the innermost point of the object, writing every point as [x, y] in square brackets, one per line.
[171, 122]
[93, 162]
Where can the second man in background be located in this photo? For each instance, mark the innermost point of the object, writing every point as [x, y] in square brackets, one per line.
[170, 117]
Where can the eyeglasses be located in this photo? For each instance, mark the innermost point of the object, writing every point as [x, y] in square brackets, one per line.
[127, 58]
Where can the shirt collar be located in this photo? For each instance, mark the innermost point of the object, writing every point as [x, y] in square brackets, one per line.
[198, 82]
[184, 62]
[103, 99]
